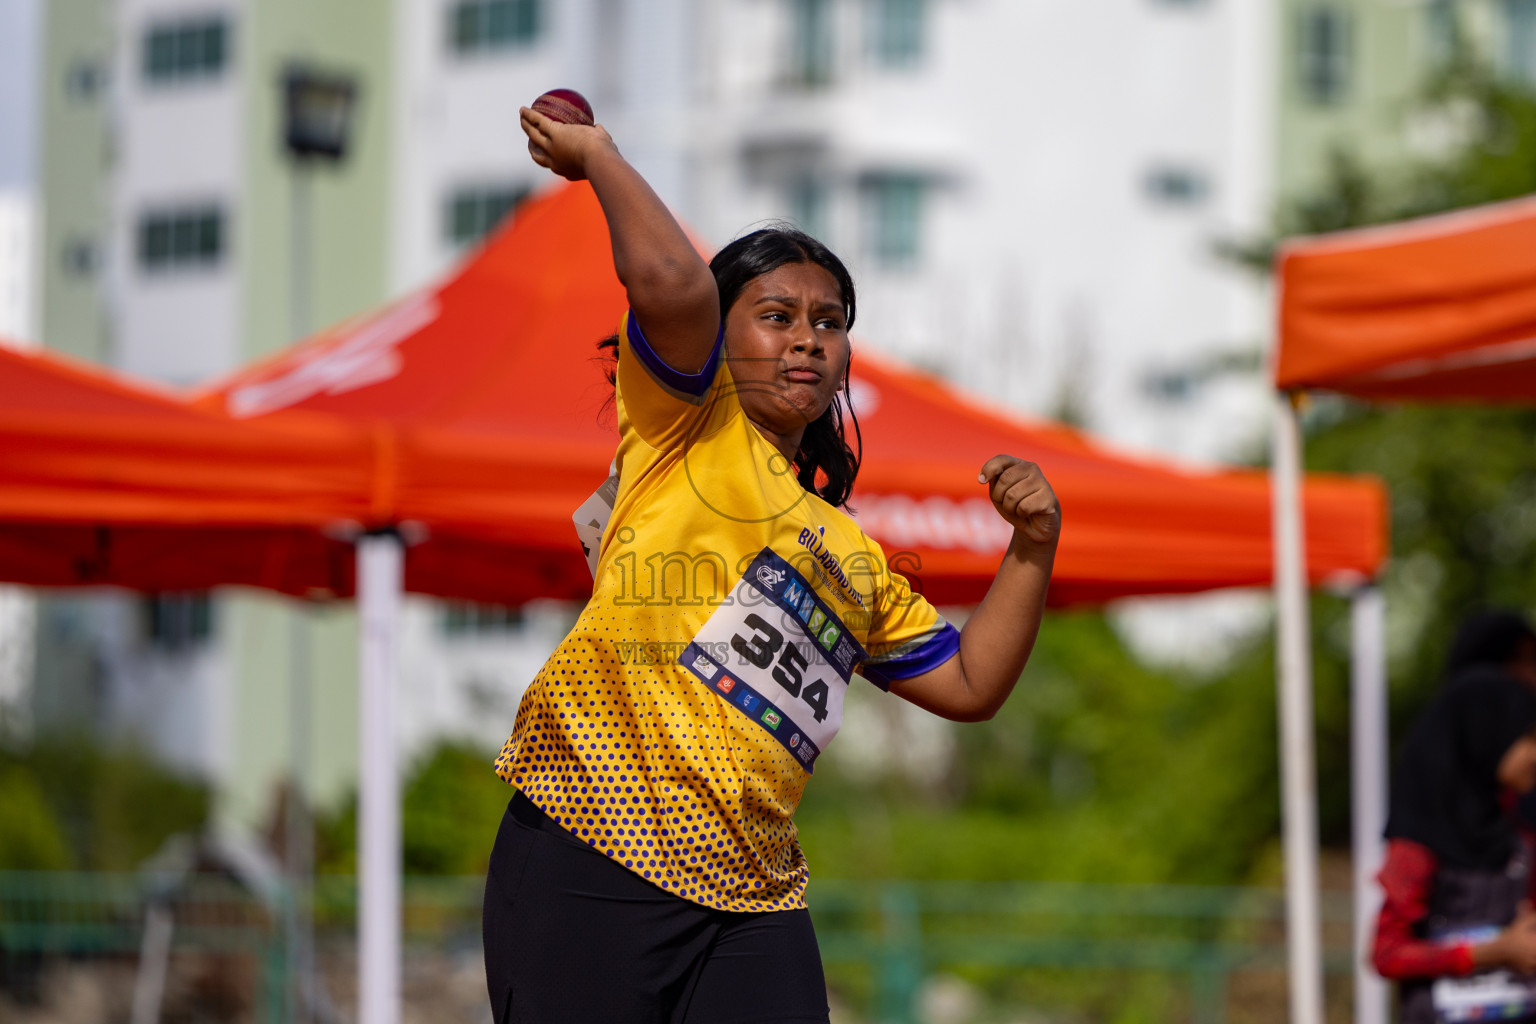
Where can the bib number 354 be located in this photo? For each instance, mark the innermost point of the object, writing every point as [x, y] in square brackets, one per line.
[759, 650]
[777, 653]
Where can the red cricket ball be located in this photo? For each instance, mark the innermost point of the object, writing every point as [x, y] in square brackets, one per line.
[566, 106]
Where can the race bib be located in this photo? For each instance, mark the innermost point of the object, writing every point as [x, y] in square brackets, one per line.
[592, 517]
[1496, 995]
[1490, 995]
[777, 653]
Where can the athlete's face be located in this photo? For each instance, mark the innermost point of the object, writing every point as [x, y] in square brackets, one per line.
[786, 338]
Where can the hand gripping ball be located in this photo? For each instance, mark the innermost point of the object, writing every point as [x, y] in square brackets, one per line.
[564, 105]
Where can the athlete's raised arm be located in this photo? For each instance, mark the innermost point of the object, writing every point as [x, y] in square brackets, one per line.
[671, 291]
[998, 637]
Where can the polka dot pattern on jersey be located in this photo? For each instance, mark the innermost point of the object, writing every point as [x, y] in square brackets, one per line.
[659, 774]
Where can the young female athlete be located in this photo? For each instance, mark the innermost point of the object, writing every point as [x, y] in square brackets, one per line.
[647, 869]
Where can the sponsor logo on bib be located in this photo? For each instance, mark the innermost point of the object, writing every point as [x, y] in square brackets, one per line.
[769, 576]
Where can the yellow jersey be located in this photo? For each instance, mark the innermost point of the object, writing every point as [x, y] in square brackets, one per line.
[674, 728]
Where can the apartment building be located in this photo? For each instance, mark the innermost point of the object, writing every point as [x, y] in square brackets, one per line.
[165, 246]
[16, 226]
[1352, 73]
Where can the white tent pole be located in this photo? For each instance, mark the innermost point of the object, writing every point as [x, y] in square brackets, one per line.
[379, 582]
[1298, 784]
[1368, 782]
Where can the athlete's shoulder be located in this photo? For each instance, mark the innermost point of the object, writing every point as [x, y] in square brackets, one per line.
[844, 526]
[664, 407]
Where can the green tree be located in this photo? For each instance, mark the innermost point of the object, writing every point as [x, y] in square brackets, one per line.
[1488, 154]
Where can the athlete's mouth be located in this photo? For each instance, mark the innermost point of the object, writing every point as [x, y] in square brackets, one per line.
[802, 375]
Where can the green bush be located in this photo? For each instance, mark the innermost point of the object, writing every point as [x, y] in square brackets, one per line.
[30, 836]
[109, 807]
[1098, 769]
[451, 807]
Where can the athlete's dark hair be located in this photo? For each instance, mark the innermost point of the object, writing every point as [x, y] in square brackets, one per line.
[824, 448]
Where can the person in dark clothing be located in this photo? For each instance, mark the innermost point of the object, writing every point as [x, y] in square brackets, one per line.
[1502, 638]
[1495, 636]
[1457, 867]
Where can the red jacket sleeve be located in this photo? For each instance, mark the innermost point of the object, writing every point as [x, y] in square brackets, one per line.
[1407, 879]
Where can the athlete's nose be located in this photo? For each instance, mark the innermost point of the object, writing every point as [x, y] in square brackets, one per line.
[808, 340]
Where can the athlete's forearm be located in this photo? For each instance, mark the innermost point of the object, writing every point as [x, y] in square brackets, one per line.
[668, 285]
[995, 643]
[997, 639]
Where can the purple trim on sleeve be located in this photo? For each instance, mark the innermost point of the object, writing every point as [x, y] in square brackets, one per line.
[933, 652]
[695, 384]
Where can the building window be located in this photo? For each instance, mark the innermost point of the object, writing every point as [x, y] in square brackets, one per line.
[181, 239]
[476, 26]
[811, 50]
[808, 205]
[896, 31]
[1177, 186]
[465, 618]
[1324, 54]
[475, 211]
[1520, 22]
[893, 218]
[187, 49]
[174, 622]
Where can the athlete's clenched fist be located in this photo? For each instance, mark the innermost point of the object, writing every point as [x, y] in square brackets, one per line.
[1022, 496]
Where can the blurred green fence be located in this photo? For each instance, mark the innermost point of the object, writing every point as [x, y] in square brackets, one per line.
[878, 939]
[898, 933]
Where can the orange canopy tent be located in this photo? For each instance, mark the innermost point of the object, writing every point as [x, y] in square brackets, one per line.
[1137, 526]
[1433, 309]
[107, 482]
[1441, 308]
[485, 394]
[103, 482]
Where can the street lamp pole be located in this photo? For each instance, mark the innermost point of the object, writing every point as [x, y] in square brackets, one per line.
[318, 113]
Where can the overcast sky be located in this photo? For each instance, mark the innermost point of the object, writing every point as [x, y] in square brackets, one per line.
[20, 44]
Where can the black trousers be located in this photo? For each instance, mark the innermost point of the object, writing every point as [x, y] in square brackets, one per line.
[572, 936]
